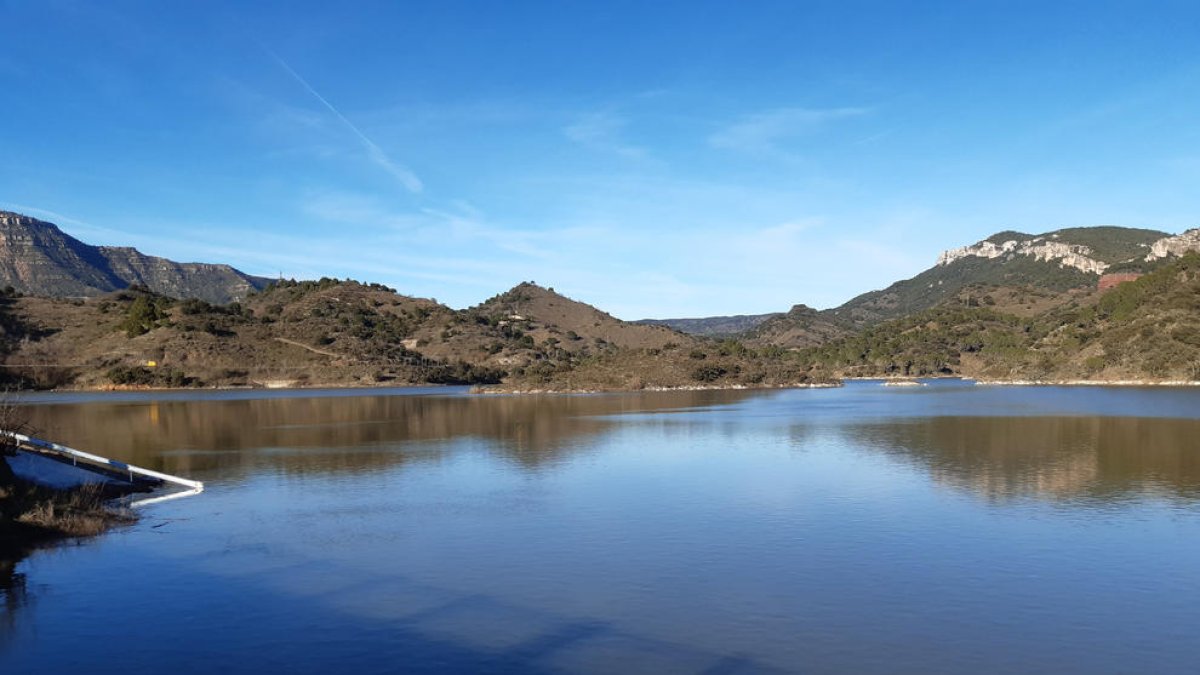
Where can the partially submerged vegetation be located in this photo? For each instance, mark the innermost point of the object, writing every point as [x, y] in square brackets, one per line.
[31, 514]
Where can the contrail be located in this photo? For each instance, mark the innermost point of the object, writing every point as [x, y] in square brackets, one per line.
[406, 177]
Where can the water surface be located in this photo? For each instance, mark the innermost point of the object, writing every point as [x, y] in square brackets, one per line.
[948, 528]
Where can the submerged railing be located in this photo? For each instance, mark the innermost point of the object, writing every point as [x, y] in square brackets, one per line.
[37, 444]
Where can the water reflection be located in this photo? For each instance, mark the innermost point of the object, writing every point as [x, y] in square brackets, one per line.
[1056, 458]
[691, 532]
[341, 434]
[13, 596]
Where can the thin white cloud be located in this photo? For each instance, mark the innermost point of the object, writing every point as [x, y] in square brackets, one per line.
[601, 131]
[376, 154]
[791, 228]
[873, 138]
[460, 224]
[764, 132]
[78, 228]
[345, 208]
[55, 217]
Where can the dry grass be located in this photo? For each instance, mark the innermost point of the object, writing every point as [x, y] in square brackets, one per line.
[30, 514]
[73, 513]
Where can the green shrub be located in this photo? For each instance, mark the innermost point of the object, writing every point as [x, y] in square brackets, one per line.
[144, 314]
[708, 373]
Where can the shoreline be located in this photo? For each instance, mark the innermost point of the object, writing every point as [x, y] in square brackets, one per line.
[498, 390]
[503, 389]
[258, 387]
[892, 378]
[471, 388]
[1087, 383]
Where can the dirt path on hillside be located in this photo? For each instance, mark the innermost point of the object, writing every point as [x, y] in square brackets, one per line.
[311, 349]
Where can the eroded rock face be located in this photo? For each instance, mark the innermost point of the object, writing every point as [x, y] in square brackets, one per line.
[38, 258]
[1067, 255]
[1110, 281]
[1174, 246]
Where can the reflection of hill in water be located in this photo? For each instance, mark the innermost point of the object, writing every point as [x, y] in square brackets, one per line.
[340, 434]
[1059, 458]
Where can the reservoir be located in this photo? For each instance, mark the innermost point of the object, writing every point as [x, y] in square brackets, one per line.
[865, 529]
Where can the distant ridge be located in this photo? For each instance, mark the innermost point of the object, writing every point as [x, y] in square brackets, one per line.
[1011, 307]
[1054, 262]
[712, 326]
[37, 258]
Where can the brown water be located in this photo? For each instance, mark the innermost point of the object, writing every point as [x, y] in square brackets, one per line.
[948, 528]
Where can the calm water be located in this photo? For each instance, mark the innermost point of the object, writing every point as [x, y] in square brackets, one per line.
[949, 528]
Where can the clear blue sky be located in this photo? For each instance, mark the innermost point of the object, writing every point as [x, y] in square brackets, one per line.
[651, 158]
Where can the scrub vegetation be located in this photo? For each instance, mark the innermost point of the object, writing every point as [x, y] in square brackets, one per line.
[1144, 329]
[1009, 316]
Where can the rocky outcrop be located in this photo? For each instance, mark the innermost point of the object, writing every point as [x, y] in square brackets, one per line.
[214, 283]
[1039, 248]
[1174, 246]
[37, 258]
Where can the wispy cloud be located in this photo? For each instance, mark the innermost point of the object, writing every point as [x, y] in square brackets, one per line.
[53, 216]
[602, 131]
[874, 138]
[765, 132]
[458, 224]
[376, 154]
[94, 234]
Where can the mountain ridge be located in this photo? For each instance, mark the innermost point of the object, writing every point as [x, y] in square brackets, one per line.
[1012, 303]
[38, 258]
[1058, 261]
[338, 333]
[712, 326]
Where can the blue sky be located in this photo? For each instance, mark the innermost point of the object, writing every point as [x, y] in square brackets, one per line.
[654, 159]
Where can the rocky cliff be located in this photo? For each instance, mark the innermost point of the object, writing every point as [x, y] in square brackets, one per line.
[1057, 262]
[1039, 248]
[1174, 246]
[37, 258]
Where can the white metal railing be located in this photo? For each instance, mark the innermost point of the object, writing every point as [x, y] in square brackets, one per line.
[38, 443]
[147, 501]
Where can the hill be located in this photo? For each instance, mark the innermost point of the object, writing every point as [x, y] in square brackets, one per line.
[802, 326]
[292, 334]
[1013, 306]
[1055, 261]
[1147, 329]
[37, 258]
[1055, 266]
[331, 332]
[530, 303]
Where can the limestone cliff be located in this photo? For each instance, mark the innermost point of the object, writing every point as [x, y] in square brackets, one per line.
[1039, 248]
[1174, 246]
[37, 258]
